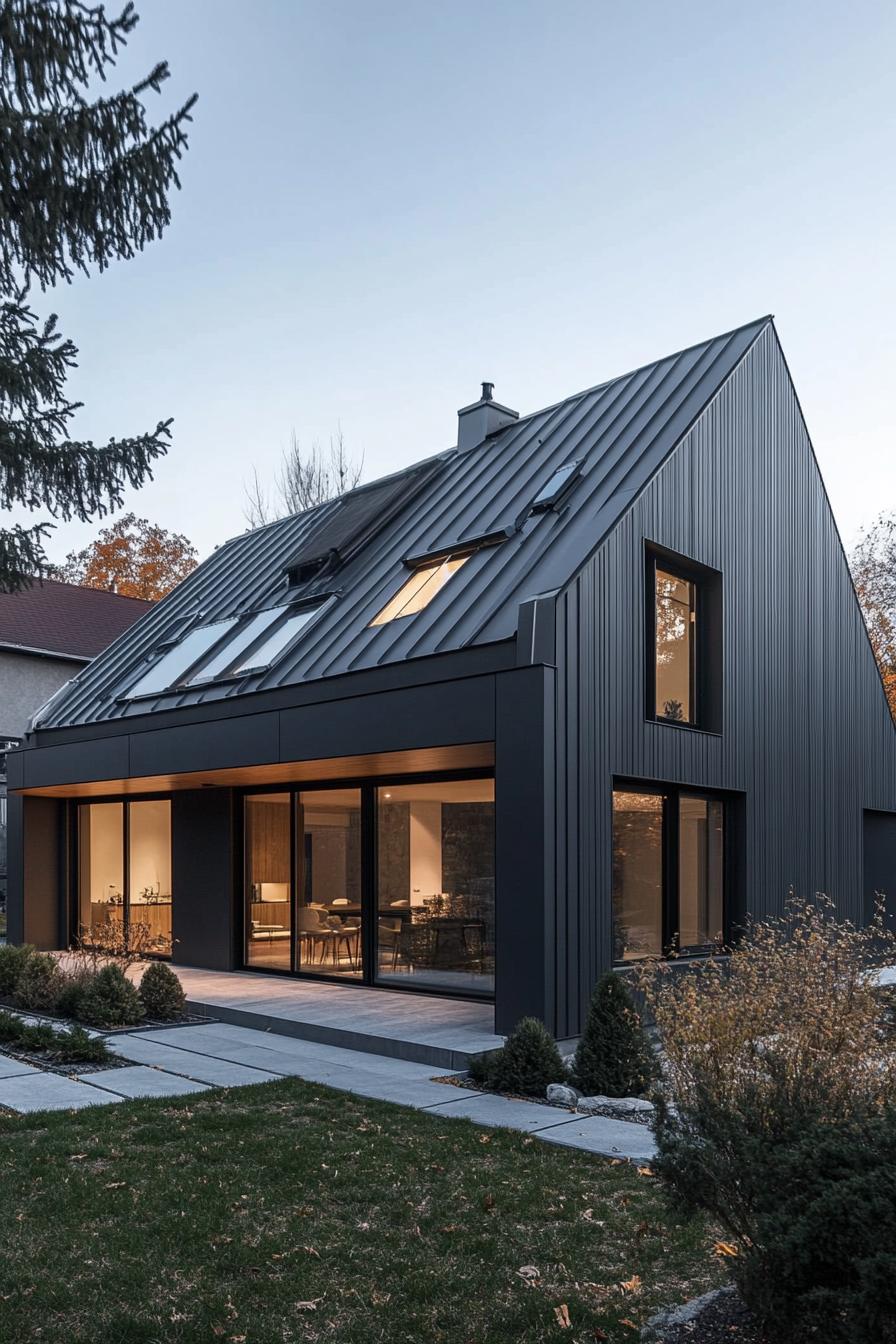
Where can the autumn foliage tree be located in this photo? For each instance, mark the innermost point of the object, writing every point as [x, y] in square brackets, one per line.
[133, 557]
[873, 563]
[84, 180]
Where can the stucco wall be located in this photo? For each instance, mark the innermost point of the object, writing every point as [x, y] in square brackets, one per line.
[26, 681]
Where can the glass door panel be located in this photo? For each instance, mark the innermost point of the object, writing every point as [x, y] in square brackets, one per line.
[149, 863]
[101, 871]
[436, 885]
[268, 885]
[637, 875]
[700, 872]
[328, 882]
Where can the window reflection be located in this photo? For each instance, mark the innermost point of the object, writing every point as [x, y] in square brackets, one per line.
[700, 872]
[637, 875]
[675, 629]
[268, 890]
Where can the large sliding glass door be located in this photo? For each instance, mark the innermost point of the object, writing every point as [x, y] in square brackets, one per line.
[389, 884]
[124, 874]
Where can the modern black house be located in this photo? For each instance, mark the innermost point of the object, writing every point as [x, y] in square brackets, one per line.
[589, 686]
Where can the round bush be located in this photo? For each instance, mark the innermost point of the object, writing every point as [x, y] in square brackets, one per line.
[40, 983]
[12, 963]
[75, 985]
[527, 1062]
[110, 1000]
[162, 993]
[613, 1058]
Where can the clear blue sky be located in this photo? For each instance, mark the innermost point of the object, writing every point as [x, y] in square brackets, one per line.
[385, 203]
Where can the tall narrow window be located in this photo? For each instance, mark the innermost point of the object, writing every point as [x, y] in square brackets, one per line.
[699, 872]
[637, 875]
[101, 870]
[419, 590]
[268, 884]
[149, 861]
[675, 646]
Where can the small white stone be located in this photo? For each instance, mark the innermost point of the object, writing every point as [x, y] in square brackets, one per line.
[622, 1105]
[559, 1092]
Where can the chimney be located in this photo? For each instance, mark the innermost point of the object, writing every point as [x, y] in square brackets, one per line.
[483, 417]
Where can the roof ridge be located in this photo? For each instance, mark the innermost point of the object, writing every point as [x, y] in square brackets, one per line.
[758, 322]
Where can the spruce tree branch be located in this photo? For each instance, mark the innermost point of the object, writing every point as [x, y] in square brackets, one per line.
[22, 555]
[74, 479]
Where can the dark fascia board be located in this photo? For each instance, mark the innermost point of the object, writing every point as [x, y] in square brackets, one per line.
[31, 652]
[475, 661]
[465, 547]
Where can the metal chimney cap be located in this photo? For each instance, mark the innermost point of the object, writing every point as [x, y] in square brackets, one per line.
[488, 392]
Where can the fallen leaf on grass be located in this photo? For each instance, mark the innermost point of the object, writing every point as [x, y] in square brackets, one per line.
[114, 1185]
[724, 1248]
[600, 1334]
[630, 1324]
[646, 1171]
[529, 1272]
[562, 1314]
[488, 1201]
[309, 1306]
[632, 1285]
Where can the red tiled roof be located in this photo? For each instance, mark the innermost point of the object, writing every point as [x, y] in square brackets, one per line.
[65, 619]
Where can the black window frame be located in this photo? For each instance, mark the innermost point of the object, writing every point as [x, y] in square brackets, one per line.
[671, 795]
[705, 647]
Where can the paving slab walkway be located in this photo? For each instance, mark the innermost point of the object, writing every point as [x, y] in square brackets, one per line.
[175, 1061]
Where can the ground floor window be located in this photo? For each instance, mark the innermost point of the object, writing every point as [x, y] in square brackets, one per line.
[387, 883]
[668, 872]
[124, 863]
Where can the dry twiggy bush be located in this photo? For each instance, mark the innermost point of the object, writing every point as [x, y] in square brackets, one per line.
[790, 1026]
[776, 1115]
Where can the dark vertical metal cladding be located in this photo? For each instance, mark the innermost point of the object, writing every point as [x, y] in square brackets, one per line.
[202, 860]
[524, 846]
[806, 741]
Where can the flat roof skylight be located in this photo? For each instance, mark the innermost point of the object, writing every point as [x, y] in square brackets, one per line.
[554, 488]
[234, 648]
[172, 665]
[277, 642]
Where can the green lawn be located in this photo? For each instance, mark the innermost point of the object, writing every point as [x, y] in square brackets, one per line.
[291, 1212]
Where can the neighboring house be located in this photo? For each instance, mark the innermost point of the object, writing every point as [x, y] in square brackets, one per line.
[48, 632]
[591, 685]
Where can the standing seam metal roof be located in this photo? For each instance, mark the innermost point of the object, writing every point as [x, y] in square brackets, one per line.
[622, 430]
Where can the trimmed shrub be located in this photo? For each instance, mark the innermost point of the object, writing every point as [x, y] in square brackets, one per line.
[40, 983]
[10, 1027]
[110, 1000]
[38, 1037]
[12, 963]
[75, 1045]
[823, 1265]
[527, 1062]
[613, 1058]
[75, 984]
[162, 993]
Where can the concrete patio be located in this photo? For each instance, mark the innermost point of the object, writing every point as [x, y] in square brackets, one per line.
[421, 1028]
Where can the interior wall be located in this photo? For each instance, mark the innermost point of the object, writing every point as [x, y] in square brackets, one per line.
[150, 849]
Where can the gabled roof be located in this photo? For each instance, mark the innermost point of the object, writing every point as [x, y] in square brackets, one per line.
[621, 432]
[65, 620]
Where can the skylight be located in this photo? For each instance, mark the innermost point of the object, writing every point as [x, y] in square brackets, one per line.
[236, 647]
[419, 590]
[172, 665]
[277, 642]
[555, 487]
